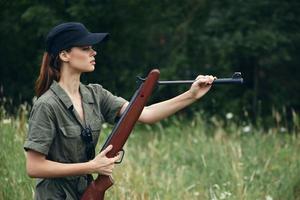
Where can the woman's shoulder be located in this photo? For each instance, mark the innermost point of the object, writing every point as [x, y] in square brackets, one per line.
[95, 88]
[42, 107]
[47, 99]
[98, 91]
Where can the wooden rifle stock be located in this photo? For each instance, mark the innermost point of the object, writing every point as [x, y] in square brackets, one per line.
[121, 132]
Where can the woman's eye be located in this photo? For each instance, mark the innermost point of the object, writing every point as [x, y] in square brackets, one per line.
[86, 48]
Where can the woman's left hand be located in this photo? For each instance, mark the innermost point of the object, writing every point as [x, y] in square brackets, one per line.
[201, 86]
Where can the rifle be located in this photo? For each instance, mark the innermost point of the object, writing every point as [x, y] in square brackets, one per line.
[120, 134]
[122, 130]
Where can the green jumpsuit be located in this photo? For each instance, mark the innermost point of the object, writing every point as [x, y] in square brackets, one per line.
[55, 128]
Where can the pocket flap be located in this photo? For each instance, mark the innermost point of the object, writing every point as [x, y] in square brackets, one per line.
[71, 131]
[96, 125]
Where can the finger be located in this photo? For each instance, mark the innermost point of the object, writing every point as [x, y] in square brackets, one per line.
[106, 150]
[107, 168]
[201, 81]
[208, 79]
[120, 154]
[211, 79]
[110, 161]
[111, 167]
[115, 159]
[106, 172]
[200, 76]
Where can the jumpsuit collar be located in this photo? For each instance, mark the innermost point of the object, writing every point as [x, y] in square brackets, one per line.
[63, 96]
[87, 99]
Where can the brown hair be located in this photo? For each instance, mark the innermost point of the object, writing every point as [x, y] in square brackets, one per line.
[50, 70]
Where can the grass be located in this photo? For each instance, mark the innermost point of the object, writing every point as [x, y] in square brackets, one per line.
[181, 159]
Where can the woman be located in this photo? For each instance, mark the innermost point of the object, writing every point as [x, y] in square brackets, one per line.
[65, 121]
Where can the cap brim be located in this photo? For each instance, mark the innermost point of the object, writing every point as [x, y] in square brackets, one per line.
[93, 38]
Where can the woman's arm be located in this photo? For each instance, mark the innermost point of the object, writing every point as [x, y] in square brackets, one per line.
[161, 110]
[39, 167]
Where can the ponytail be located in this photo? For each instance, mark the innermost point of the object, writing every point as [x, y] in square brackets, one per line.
[49, 71]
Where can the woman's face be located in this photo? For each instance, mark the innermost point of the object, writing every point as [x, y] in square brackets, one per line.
[82, 59]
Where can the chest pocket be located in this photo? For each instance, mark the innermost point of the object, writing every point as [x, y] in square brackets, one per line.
[70, 143]
[96, 128]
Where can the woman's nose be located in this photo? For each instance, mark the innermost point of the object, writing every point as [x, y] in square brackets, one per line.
[94, 52]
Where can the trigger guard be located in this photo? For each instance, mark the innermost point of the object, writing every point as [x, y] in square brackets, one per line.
[121, 159]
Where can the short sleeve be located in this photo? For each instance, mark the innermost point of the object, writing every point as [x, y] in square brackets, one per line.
[110, 104]
[41, 130]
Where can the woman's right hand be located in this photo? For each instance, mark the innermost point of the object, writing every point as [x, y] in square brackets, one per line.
[102, 164]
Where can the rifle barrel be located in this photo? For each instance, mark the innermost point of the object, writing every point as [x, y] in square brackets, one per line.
[235, 79]
[217, 81]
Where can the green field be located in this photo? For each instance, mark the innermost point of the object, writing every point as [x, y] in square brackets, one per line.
[181, 160]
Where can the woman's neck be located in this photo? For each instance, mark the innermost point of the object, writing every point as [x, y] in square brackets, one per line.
[69, 81]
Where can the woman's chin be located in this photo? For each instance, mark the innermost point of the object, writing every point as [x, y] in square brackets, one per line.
[90, 68]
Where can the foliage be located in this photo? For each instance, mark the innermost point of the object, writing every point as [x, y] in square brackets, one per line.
[181, 38]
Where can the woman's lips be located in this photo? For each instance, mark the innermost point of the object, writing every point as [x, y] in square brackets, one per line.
[93, 62]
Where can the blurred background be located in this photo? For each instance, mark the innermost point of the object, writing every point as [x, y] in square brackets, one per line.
[181, 38]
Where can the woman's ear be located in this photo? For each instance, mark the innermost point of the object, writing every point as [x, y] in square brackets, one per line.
[64, 56]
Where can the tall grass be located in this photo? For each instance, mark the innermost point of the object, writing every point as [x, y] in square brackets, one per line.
[184, 161]
[181, 159]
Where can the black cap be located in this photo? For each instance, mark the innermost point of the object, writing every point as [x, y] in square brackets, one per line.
[71, 34]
